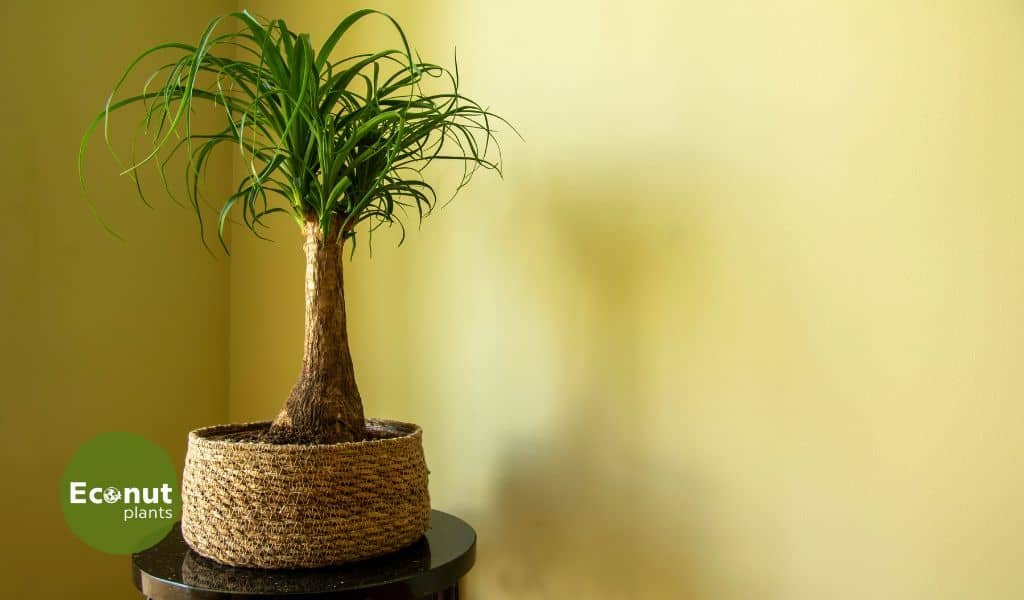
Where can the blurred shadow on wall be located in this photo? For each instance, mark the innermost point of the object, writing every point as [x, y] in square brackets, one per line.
[587, 506]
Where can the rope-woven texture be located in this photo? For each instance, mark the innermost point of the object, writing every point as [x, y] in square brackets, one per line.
[252, 504]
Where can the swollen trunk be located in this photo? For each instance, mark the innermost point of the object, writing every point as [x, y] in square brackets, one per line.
[324, 406]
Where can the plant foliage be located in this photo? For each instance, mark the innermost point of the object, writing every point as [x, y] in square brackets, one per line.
[338, 141]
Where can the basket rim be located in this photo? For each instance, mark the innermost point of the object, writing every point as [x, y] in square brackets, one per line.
[203, 436]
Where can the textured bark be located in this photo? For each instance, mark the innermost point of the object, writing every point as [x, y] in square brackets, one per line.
[324, 406]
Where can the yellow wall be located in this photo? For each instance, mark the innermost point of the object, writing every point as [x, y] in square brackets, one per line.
[745, 319]
[97, 335]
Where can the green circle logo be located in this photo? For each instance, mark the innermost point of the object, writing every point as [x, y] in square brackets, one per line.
[120, 493]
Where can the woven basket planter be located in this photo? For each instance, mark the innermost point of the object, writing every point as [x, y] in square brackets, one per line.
[250, 504]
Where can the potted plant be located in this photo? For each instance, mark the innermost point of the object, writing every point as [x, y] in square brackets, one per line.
[340, 146]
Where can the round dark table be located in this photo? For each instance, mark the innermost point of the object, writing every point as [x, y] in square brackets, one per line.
[429, 569]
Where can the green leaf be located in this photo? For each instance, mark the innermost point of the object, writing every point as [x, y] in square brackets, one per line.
[333, 142]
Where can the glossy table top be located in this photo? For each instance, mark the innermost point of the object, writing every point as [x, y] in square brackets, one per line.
[171, 570]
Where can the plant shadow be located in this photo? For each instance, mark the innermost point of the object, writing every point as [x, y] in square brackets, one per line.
[603, 500]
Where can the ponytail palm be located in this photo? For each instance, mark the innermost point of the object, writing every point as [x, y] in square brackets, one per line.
[333, 143]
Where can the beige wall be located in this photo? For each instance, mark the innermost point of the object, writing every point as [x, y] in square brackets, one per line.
[743, 321]
[97, 335]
